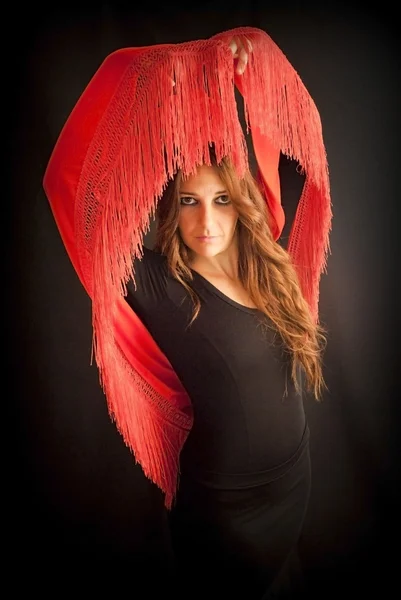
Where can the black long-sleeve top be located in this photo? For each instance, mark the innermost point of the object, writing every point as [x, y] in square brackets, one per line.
[247, 415]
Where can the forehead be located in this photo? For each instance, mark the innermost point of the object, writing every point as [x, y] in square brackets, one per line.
[205, 180]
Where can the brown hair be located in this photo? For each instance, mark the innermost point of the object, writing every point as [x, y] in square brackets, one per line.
[265, 270]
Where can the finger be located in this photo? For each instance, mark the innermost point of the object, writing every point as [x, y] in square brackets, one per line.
[234, 47]
[243, 42]
[249, 44]
[242, 61]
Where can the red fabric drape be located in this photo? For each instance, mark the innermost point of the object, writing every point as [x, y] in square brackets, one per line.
[129, 132]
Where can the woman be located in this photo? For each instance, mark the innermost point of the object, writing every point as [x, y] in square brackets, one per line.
[202, 342]
[216, 295]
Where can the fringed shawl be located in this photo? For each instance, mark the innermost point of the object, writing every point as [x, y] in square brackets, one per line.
[146, 113]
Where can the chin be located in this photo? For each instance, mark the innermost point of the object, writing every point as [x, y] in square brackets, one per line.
[208, 250]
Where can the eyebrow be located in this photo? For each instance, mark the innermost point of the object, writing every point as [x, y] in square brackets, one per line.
[182, 193]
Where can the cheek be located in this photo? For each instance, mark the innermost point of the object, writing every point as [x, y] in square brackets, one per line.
[184, 224]
[232, 219]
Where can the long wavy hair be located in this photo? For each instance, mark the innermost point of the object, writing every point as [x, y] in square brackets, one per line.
[265, 270]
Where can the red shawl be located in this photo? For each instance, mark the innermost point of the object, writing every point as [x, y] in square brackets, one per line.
[129, 132]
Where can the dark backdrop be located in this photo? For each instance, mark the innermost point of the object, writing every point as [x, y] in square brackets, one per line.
[80, 506]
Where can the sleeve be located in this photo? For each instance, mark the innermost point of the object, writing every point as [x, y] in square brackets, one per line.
[148, 288]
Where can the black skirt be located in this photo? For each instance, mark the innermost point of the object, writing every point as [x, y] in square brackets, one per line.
[236, 535]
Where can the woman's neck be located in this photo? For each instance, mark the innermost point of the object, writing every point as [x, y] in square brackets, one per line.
[224, 265]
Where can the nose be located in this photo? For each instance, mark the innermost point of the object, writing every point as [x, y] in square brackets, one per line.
[206, 218]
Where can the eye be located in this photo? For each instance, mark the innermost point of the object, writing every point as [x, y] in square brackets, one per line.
[223, 200]
[190, 201]
[187, 201]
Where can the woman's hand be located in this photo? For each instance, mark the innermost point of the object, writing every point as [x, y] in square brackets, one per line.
[241, 47]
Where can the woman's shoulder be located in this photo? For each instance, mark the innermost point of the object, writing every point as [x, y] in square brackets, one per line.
[151, 262]
[153, 257]
[148, 284]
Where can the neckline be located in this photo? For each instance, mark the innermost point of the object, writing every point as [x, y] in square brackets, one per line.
[212, 288]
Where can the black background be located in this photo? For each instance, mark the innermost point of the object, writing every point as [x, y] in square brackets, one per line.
[81, 511]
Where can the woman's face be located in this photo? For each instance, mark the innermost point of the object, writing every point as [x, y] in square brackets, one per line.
[207, 220]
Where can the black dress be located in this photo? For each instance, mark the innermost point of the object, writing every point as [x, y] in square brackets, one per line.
[245, 469]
